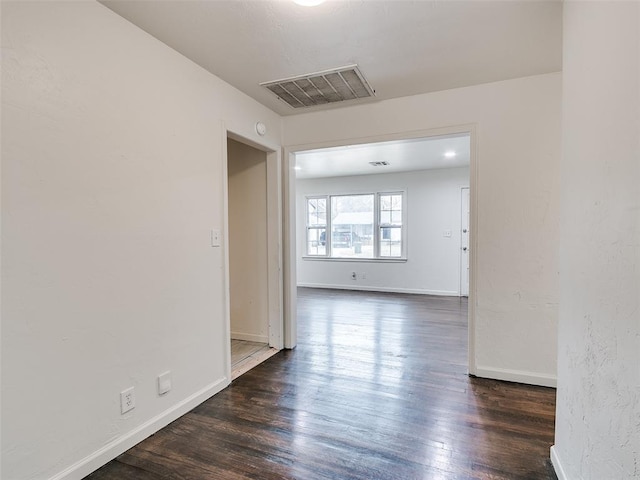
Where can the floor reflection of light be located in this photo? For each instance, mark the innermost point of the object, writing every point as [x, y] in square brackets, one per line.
[299, 441]
[337, 330]
[363, 341]
[448, 447]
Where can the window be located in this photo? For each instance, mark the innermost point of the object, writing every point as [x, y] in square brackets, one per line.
[390, 225]
[368, 226]
[316, 225]
[352, 226]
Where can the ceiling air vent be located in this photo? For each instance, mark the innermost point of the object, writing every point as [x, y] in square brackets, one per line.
[329, 86]
[379, 164]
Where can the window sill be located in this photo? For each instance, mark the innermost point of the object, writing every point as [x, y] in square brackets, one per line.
[356, 260]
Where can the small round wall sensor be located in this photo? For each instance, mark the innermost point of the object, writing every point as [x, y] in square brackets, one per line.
[261, 128]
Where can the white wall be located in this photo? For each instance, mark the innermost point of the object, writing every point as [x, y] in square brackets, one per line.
[433, 262]
[598, 404]
[518, 154]
[249, 302]
[112, 147]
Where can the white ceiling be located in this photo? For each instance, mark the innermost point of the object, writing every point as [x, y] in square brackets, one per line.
[402, 47]
[403, 156]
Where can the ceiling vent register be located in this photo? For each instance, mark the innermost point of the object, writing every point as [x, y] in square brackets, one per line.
[329, 86]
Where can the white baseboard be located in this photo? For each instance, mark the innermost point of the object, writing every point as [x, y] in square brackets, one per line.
[557, 465]
[92, 462]
[518, 376]
[249, 337]
[416, 291]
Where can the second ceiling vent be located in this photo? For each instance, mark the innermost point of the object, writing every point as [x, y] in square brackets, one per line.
[329, 86]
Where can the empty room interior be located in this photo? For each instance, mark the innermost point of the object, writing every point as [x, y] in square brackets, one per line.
[314, 239]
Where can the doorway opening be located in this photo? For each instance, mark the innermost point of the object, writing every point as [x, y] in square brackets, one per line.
[419, 245]
[253, 266]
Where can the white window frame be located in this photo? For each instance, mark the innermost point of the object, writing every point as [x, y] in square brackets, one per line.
[317, 226]
[379, 226]
[376, 228]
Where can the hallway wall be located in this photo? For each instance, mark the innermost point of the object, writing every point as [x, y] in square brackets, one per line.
[598, 406]
[112, 151]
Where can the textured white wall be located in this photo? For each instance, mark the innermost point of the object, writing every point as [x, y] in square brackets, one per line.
[111, 180]
[249, 301]
[598, 405]
[433, 261]
[518, 156]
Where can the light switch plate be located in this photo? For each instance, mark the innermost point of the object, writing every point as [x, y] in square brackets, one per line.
[164, 382]
[216, 235]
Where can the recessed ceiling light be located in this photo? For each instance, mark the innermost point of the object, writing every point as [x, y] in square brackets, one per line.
[308, 3]
[450, 154]
[297, 167]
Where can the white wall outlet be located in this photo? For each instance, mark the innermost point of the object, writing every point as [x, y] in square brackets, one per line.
[127, 400]
[363, 276]
[164, 382]
[446, 233]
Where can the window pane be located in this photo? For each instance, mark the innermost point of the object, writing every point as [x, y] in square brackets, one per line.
[317, 211]
[390, 241]
[352, 226]
[391, 209]
[316, 244]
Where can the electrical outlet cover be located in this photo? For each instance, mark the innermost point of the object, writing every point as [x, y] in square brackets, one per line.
[127, 400]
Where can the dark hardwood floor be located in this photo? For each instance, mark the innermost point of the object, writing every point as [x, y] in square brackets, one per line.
[376, 389]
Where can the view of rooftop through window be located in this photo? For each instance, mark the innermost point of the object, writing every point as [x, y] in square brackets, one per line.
[361, 225]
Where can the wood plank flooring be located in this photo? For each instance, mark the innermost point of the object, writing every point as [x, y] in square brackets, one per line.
[376, 389]
[245, 355]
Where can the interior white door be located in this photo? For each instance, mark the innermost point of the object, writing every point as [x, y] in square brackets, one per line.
[464, 243]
